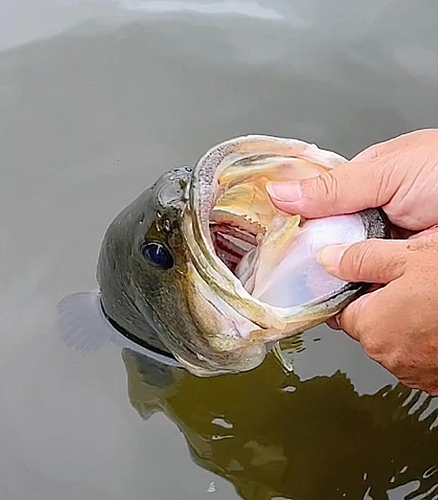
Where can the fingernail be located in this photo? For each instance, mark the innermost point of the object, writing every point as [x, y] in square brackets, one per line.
[284, 191]
[330, 256]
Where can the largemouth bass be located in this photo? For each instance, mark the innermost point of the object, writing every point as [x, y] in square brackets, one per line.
[203, 266]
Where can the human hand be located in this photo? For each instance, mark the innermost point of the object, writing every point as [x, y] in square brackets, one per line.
[400, 175]
[396, 323]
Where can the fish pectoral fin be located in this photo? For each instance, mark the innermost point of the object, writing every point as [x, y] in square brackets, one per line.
[82, 322]
[84, 327]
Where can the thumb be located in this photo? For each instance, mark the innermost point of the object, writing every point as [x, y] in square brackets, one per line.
[349, 188]
[370, 261]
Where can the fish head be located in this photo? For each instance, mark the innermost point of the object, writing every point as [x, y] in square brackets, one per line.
[150, 289]
[206, 262]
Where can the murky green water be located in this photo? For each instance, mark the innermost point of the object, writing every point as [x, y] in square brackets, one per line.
[100, 100]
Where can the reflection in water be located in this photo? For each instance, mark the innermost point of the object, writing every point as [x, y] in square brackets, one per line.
[274, 436]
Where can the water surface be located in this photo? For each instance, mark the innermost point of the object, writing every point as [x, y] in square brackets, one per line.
[96, 101]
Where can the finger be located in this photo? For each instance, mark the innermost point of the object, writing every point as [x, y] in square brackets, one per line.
[375, 320]
[333, 323]
[426, 232]
[353, 320]
[378, 150]
[366, 317]
[372, 152]
[386, 147]
[370, 261]
[336, 191]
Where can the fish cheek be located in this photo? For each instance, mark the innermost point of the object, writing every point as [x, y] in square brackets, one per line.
[161, 288]
[214, 330]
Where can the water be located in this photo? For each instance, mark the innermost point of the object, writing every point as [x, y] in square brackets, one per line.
[97, 99]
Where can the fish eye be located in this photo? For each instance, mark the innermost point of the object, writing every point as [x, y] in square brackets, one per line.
[157, 254]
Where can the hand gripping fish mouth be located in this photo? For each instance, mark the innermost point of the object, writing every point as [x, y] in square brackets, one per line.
[202, 264]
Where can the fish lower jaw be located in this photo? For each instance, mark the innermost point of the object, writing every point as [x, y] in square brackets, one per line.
[225, 362]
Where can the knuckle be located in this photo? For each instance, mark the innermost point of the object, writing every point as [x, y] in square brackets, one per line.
[425, 243]
[324, 187]
[369, 154]
[374, 347]
[383, 179]
[372, 152]
[357, 257]
[383, 352]
[377, 345]
[374, 257]
[394, 361]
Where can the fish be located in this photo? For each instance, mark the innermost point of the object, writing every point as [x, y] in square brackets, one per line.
[202, 267]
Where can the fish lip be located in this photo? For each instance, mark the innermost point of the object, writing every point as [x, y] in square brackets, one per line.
[212, 270]
[200, 245]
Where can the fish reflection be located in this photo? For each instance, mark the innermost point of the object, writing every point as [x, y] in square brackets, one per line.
[273, 436]
[269, 433]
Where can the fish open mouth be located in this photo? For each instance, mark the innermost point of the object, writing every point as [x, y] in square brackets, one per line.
[260, 260]
[272, 253]
[232, 243]
[212, 271]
